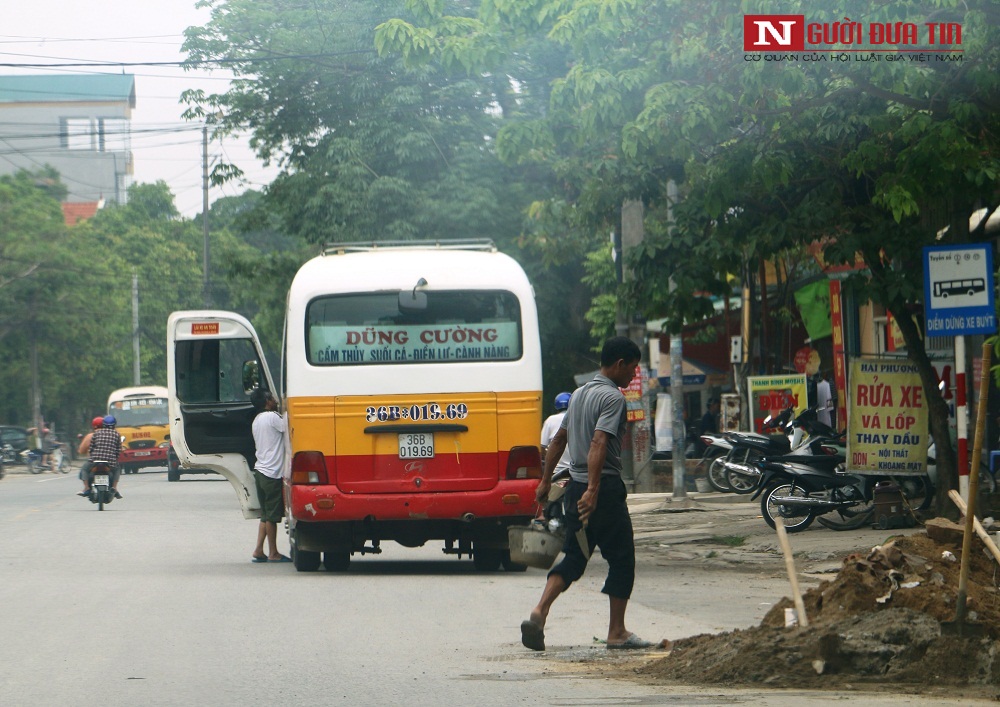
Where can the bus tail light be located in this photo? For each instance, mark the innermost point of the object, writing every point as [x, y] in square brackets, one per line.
[524, 463]
[309, 468]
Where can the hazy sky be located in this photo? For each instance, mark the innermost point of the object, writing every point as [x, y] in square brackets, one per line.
[63, 31]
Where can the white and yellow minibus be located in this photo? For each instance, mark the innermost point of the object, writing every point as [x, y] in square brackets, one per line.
[411, 380]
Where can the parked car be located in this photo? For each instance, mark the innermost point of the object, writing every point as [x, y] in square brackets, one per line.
[12, 440]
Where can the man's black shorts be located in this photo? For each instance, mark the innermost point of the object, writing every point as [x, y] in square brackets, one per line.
[610, 528]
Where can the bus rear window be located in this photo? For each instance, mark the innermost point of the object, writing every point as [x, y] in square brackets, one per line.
[452, 327]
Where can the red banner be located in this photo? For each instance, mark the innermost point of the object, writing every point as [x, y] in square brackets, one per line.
[839, 359]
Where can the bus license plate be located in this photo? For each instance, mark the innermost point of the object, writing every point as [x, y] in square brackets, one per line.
[101, 480]
[416, 445]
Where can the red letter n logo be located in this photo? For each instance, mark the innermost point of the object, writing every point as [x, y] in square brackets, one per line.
[774, 33]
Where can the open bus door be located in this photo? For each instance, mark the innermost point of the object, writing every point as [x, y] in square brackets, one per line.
[214, 362]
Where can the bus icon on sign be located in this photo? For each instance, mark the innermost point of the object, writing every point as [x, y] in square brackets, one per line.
[962, 288]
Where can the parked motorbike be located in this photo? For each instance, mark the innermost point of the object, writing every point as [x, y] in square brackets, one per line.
[801, 488]
[711, 463]
[739, 466]
[26, 457]
[101, 492]
[803, 436]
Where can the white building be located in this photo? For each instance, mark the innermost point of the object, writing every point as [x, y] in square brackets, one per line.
[77, 123]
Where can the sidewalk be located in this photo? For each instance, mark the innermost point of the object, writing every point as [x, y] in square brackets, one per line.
[729, 530]
[22, 469]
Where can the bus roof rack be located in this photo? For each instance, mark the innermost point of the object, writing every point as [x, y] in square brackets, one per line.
[484, 244]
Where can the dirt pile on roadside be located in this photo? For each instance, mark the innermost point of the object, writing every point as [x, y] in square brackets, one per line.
[878, 622]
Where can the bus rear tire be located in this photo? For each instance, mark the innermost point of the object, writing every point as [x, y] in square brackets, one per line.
[487, 559]
[337, 561]
[304, 561]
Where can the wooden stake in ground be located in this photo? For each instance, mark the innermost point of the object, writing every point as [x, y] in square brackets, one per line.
[957, 499]
[786, 550]
[960, 625]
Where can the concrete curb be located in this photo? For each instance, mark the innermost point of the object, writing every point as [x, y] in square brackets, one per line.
[21, 469]
[643, 499]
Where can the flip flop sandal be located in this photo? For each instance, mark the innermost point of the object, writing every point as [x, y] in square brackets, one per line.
[258, 559]
[532, 636]
[633, 642]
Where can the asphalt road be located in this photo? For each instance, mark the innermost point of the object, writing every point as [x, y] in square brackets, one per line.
[155, 602]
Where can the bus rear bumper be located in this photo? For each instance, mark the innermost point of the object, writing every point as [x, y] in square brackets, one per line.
[324, 520]
[154, 456]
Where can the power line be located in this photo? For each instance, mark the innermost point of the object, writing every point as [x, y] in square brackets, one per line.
[27, 39]
[188, 73]
[190, 63]
[141, 132]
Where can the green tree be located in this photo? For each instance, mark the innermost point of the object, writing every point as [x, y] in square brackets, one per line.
[32, 283]
[875, 160]
[375, 148]
[66, 293]
[370, 152]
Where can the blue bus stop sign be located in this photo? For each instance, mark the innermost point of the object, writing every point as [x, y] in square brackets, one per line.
[958, 290]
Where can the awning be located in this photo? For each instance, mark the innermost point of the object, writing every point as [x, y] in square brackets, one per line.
[695, 373]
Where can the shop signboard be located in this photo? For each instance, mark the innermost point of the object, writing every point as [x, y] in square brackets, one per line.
[634, 409]
[887, 419]
[664, 431]
[769, 395]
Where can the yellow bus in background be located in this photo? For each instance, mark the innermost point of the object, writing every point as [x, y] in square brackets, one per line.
[141, 412]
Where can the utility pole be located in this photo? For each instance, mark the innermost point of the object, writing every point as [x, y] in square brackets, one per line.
[622, 329]
[632, 230]
[677, 379]
[206, 294]
[135, 329]
[36, 393]
[36, 390]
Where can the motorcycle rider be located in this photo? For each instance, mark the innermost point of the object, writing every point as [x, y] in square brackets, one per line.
[48, 444]
[35, 443]
[549, 429]
[709, 424]
[84, 449]
[106, 446]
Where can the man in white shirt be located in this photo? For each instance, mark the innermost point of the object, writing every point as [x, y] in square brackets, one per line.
[269, 440]
[823, 413]
[549, 429]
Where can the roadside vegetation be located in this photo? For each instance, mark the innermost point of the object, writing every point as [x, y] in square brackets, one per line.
[531, 122]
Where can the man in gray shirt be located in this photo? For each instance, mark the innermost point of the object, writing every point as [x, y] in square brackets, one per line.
[595, 495]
